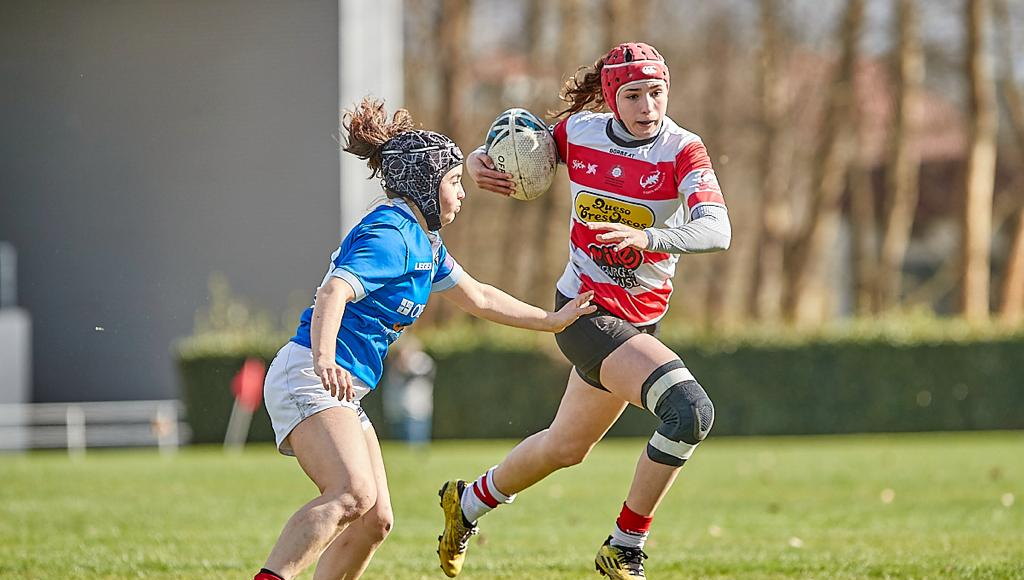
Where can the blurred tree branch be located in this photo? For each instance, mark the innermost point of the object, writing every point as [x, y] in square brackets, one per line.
[1011, 306]
[627, 21]
[774, 212]
[981, 163]
[551, 233]
[806, 275]
[521, 258]
[864, 226]
[904, 160]
[455, 104]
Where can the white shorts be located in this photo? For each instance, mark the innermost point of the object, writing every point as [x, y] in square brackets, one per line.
[292, 392]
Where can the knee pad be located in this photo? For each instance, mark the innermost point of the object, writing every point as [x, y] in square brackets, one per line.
[685, 411]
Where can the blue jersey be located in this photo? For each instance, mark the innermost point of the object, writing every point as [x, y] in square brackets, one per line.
[393, 266]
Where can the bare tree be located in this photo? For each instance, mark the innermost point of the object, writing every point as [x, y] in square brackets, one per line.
[457, 79]
[551, 230]
[904, 160]
[806, 293]
[420, 25]
[864, 222]
[981, 163]
[774, 213]
[520, 272]
[456, 87]
[626, 19]
[1011, 306]
[721, 55]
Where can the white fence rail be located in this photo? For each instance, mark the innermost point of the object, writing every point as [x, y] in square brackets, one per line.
[77, 426]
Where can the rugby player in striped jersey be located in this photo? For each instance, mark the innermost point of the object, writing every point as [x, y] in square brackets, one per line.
[643, 192]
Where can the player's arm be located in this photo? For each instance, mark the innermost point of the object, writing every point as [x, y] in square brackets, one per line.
[707, 230]
[487, 302]
[328, 309]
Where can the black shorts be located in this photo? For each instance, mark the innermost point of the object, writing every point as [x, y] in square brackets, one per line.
[589, 340]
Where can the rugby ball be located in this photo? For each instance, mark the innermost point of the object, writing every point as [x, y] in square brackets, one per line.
[519, 143]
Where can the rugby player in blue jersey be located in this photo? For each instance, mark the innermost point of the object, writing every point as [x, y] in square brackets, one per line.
[377, 284]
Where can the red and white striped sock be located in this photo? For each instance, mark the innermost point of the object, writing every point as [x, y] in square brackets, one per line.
[482, 496]
[631, 529]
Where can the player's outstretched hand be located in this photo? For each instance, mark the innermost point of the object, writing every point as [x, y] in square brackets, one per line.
[572, 310]
[336, 380]
[481, 169]
[622, 235]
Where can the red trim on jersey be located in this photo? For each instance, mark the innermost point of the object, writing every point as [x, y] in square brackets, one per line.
[623, 176]
[562, 140]
[706, 196]
[693, 156]
[581, 236]
[481, 491]
[639, 309]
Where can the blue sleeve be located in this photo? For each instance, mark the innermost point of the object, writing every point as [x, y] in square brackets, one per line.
[374, 256]
[448, 271]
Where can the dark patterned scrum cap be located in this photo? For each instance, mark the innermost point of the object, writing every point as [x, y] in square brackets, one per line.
[414, 163]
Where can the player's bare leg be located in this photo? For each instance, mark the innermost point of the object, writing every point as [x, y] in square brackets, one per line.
[332, 451]
[686, 414]
[584, 416]
[623, 373]
[349, 554]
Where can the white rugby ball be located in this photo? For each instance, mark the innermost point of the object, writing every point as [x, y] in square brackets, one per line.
[519, 143]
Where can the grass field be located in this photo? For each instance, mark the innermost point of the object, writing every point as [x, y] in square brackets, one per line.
[903, 506]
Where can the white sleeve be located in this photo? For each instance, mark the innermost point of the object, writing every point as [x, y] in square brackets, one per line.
[708, 230]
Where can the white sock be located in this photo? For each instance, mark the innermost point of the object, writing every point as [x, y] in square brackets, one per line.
[628, 539]
[482, 496]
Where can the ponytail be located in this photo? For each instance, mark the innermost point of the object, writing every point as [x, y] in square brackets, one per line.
[367, 128]
[583, 93]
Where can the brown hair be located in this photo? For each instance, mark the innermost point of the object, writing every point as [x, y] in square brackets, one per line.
[583, 93]
[367, 128]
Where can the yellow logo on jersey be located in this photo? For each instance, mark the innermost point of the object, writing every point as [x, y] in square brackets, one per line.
[596, 208]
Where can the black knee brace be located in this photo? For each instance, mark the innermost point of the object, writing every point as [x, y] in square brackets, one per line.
[685, 411]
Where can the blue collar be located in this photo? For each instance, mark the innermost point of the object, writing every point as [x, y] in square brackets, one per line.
[403, 206]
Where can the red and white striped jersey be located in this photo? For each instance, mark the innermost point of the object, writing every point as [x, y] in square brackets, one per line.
[657, 182]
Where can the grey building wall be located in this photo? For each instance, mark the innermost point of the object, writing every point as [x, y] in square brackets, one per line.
[144, 145]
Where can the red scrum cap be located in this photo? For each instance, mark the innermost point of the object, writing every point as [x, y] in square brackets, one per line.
[628, 63]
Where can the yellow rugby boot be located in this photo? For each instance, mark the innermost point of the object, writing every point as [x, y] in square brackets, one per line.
[454, 540]
[620, 563]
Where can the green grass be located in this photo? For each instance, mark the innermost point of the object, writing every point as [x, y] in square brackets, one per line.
[752, 509]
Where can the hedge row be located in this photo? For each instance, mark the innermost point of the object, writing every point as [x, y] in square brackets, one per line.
[509, 385]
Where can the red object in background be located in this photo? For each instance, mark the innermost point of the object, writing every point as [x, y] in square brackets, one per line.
[247, 385]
